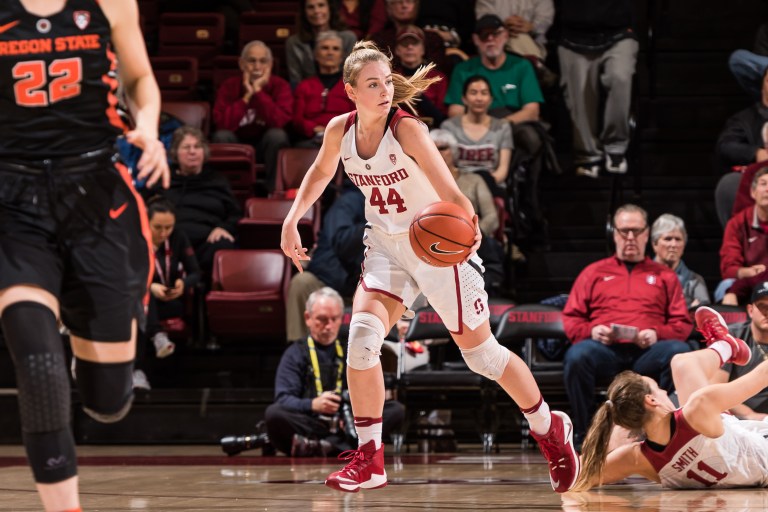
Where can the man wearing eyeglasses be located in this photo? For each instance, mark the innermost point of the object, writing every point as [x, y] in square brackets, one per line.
[755, 332]
[624, 312]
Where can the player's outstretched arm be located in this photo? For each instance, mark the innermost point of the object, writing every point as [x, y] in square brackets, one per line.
[318, 176]
[704, 407]
[142, 92]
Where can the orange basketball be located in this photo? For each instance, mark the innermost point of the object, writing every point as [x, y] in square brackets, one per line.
[442, 234]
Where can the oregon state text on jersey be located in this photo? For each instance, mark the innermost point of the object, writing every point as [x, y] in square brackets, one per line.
[58, 79]
[395, 187]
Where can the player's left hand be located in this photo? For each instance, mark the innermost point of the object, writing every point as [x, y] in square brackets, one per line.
[478, 238]
[153, 164]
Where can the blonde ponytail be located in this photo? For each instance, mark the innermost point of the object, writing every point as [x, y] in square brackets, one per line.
[406, 89]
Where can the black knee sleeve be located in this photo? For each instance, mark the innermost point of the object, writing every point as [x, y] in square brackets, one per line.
[37, 350]
[106, 389]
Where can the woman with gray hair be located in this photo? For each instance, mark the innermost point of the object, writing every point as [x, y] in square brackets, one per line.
[668, 238]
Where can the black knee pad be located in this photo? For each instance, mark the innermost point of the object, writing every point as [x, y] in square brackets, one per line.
[37, 350]
[106, 389]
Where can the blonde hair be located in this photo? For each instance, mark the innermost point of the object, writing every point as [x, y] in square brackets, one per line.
[406, 88]
[625, 407]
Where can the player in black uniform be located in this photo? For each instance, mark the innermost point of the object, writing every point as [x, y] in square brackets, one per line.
[74, 243]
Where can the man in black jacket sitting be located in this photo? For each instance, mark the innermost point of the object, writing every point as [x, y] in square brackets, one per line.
[307, 417]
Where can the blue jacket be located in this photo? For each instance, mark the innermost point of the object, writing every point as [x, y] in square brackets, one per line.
[338, 256]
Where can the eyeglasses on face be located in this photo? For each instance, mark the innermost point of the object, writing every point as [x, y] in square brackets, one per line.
[636, 232]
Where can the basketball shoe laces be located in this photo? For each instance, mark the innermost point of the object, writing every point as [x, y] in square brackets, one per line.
[357, 461]
[713, 330]
[553, 454]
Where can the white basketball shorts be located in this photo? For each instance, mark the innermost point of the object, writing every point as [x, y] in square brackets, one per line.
[456, 293]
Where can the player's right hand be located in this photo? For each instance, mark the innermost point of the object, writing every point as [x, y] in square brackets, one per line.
[478, 239]
[290, 243]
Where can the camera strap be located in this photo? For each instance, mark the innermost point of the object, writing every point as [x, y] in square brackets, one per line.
[316, 366]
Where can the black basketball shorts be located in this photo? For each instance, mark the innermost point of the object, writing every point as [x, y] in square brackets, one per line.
[77, 228]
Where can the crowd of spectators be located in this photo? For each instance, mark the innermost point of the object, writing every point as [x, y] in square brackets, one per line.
[496, 64]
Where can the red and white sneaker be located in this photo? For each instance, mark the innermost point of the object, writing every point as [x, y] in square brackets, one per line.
[365, 469]
[557, 447]
[713, 327]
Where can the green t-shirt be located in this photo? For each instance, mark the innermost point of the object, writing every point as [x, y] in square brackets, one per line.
[513, 85]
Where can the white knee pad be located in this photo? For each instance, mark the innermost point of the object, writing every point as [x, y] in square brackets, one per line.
[489, 359]
[366, 335]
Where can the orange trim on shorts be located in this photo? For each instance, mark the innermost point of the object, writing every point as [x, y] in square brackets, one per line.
[112, 116]
[145, 231]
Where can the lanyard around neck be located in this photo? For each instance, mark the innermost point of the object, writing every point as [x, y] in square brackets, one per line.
[316, 366]
[165, 276]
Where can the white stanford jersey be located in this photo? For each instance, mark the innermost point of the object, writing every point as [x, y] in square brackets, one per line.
[738, 458]
[394, 185]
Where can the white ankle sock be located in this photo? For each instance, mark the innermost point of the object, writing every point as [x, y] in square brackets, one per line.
[723, 349]
[367, 429]
[539, 418]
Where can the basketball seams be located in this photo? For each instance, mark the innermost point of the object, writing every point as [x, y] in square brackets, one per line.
[426, 238]
[438, 235]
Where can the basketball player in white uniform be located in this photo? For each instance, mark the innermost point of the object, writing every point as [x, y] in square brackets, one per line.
[389, 155]
[692, 447]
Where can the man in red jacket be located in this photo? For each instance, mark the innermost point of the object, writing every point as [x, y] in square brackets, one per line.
[255, 107]
[744, 253]
[623, 312]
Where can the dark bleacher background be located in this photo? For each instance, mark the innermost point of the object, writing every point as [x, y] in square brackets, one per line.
[684, 94]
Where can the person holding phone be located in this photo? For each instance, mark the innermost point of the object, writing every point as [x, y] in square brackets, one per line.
[624, 312]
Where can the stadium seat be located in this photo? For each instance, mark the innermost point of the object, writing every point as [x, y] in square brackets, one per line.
[292, 165]
[176, 77]
[519, 328]
[240, 171]
[263, 222]
[192, 113]
[199, 35]
[447, 385]
[247, 300]
[272, 28]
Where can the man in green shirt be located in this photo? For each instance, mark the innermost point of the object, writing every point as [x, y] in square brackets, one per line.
[516, 98]
[516, 91]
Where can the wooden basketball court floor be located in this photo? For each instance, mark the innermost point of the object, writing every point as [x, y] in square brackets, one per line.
[200, 478]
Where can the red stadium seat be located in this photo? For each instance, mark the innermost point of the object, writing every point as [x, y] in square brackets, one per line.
[272, 28]
[263, 222]
[192, 113]
[292, 165]
[199, 35]
[176, 77]
[248, 294]
[237, 163]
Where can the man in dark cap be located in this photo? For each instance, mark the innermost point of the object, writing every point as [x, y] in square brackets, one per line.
[516, 98]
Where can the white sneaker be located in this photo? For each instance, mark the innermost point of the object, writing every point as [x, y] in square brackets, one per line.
[588, 170]
[163, 346]
[616, 164]
[140, 380]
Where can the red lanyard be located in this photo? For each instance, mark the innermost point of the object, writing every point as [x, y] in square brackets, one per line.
[167, 274]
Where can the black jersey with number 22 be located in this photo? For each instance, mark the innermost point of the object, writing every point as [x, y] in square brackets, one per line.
[58, 81]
